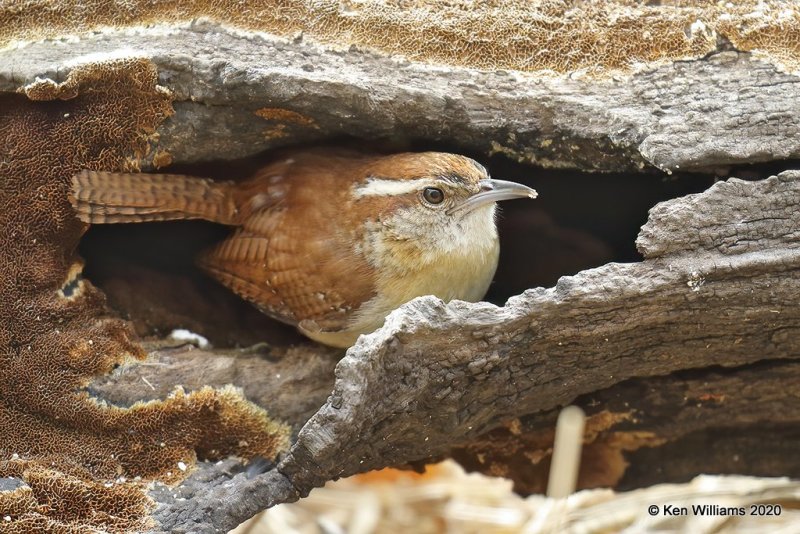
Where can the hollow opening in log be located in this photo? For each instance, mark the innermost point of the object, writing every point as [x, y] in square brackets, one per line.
[580, 220]
[762, 449]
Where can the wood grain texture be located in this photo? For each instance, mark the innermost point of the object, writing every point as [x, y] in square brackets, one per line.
[729, 108]
[438, 377]
[718, 289]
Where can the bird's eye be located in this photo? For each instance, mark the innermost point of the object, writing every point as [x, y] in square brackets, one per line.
[433, 195]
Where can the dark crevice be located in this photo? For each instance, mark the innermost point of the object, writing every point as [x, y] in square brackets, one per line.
[148, 273]
[762, 450]
[71, 287]
[580, 220]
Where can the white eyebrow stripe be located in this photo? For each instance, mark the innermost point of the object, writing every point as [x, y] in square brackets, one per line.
[382, 187]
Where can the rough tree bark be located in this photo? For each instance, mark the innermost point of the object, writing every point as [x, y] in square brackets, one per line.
[688, 115]
[717, 288]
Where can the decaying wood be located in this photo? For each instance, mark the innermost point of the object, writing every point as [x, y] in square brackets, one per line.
[291, 383]
[651, 430]
[264, 92]
[717, 287]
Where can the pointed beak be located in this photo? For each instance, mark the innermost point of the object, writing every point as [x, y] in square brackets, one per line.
[494, 191]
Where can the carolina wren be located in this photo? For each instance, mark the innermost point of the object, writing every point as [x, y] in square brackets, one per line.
[329, 240]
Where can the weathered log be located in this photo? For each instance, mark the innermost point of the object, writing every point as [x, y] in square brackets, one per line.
[717, 287]
[292, 384]
[651, 429]
[727, 109]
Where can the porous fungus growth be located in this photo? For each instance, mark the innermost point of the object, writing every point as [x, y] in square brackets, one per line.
[771, 30]
[76, 458]
[543, 35]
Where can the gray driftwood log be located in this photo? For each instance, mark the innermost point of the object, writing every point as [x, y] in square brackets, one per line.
[687, 115]
[718, 287]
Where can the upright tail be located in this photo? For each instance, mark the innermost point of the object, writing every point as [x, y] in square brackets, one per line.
[119, 197]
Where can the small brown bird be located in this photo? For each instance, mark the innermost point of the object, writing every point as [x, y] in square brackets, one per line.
[327, 240]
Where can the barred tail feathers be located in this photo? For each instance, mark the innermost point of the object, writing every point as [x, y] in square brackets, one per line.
[119, 197]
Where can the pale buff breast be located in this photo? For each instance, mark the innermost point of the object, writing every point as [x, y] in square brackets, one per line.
[460, 267]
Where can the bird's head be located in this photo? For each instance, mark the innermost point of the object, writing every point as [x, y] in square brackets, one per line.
[433, 202]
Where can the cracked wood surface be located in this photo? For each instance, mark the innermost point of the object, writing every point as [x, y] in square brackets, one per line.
[648, 430]
[718, 284]
[290, 383]
[718, 287]
[244, 93]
